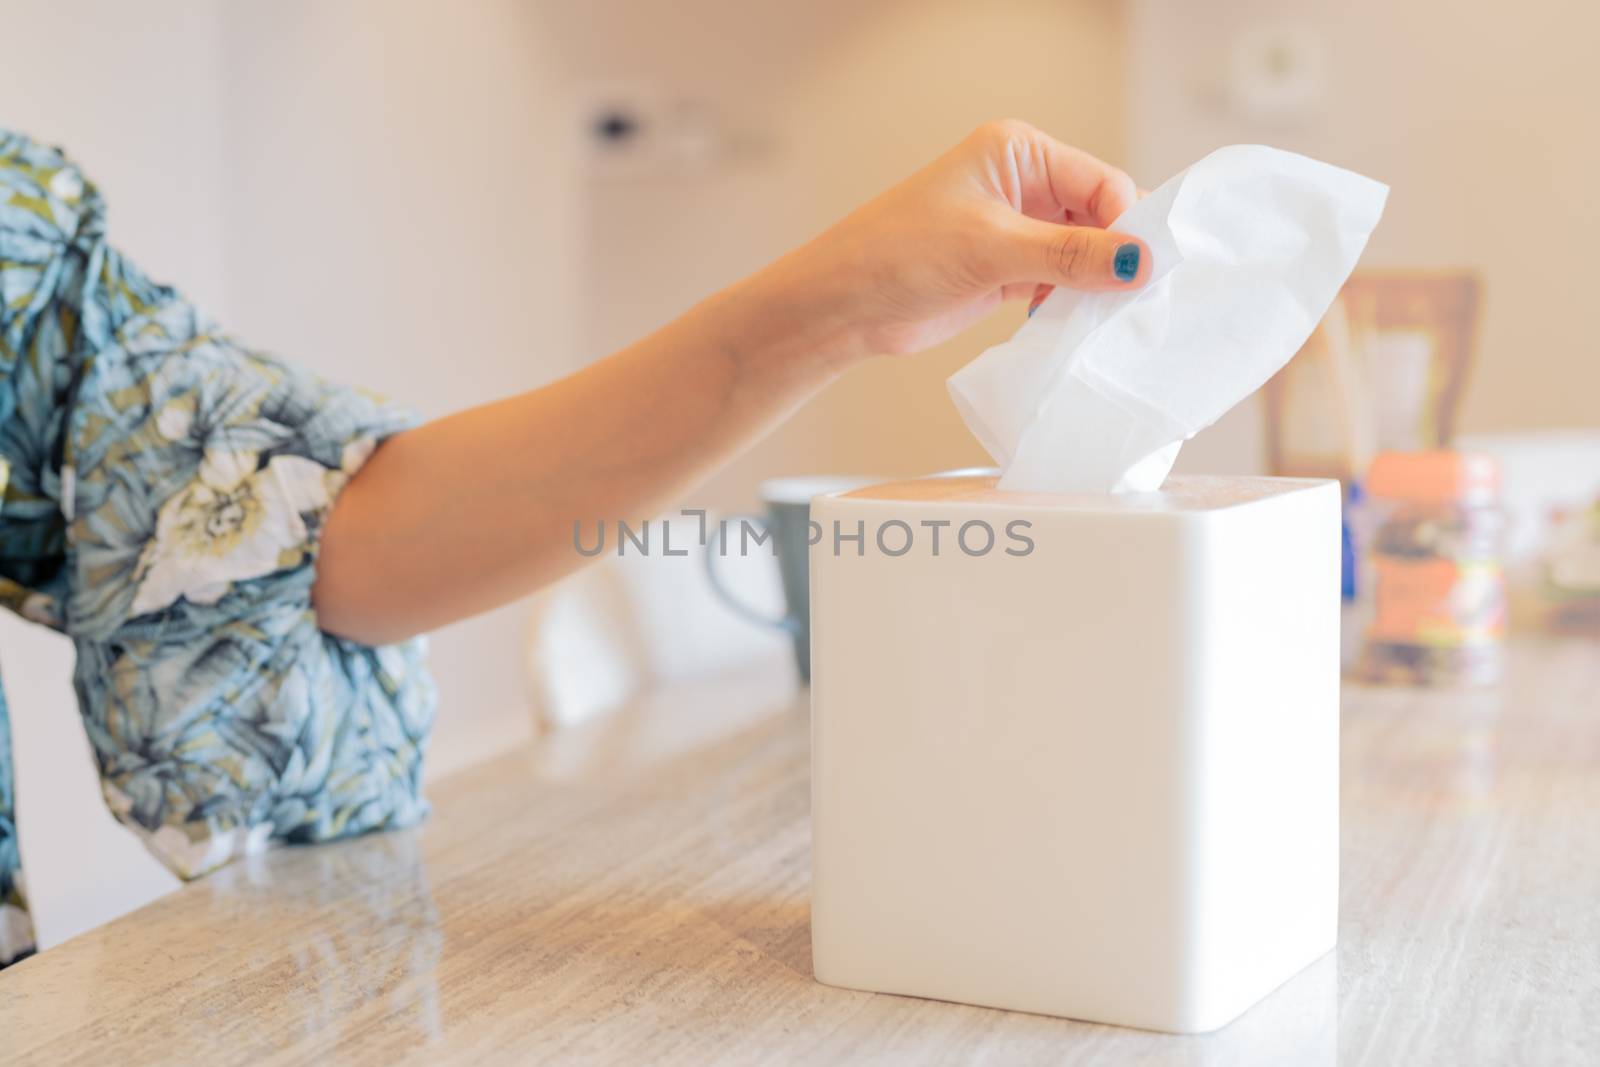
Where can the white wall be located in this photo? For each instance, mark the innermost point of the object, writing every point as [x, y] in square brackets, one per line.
[1481, 118]
[378, 190]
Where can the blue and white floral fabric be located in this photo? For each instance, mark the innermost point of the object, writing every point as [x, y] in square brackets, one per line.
[164, 493]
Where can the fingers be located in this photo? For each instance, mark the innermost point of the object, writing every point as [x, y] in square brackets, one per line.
[1050, 182]
[1105, 191]
[1054, 179]
[1079, 257]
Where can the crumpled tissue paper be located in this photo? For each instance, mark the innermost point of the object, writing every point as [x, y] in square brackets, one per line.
[1097, 391]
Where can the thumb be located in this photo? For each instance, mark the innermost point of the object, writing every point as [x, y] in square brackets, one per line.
[1078, 257]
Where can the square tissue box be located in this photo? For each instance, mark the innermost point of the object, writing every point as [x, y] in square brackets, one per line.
[1080, 755]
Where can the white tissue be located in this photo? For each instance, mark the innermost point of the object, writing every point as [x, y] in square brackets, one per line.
[1098, 391]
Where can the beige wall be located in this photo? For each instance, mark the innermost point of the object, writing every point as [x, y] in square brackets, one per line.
[1481, 118]
[837, 101]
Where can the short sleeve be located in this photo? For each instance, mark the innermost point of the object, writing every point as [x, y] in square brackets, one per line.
[191, 477]
[49, 236]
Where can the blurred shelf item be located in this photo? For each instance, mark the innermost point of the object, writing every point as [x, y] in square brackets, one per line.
[1550, 490]
[1385, 370]
[1275, 73]
[1438, 586]
[635, 130]
[1544, 474]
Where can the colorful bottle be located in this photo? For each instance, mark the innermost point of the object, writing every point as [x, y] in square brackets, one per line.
[1437, 583]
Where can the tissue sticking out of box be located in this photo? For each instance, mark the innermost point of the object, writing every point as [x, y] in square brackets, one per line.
[1098, 391]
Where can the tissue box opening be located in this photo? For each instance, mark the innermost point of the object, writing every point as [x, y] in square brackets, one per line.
[1097, 778]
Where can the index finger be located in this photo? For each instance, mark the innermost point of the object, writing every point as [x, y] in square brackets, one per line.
[1055, 179]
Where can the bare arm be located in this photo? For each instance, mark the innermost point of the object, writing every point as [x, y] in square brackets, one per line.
[477, 508]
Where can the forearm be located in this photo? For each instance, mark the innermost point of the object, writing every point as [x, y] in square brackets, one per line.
[477, 509]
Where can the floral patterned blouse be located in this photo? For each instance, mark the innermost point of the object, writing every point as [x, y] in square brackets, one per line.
[164, 491]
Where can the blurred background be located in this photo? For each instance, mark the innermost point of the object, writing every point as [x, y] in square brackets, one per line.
[450, 202]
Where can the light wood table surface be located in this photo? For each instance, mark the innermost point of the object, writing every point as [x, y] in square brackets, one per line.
[636, 892]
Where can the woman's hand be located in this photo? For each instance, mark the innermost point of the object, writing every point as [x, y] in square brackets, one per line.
[1007, 213]
[478, 508]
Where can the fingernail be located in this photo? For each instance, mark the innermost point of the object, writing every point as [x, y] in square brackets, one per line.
[1126, 262]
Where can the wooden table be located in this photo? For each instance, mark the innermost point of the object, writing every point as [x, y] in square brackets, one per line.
[635, 892]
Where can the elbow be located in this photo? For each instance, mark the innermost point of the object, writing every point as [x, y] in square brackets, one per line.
[352, 598]
[342, 614]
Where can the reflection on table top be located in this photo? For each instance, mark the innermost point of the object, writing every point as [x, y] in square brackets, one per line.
[636, 891]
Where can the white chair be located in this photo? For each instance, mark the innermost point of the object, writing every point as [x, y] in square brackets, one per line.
[627, 624]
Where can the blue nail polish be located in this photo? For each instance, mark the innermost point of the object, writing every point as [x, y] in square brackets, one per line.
[1126, 262]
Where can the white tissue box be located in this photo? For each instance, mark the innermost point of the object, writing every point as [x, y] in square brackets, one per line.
[1098, 778]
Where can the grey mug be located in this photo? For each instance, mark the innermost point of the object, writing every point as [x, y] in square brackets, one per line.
[785, 530]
